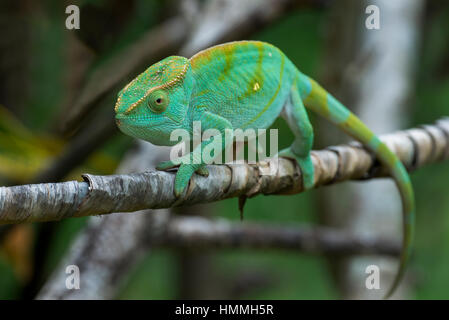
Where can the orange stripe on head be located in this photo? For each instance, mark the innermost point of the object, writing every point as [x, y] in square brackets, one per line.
[119, 99]
[171, 83]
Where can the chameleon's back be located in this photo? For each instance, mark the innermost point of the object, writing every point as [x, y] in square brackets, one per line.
[246, 82]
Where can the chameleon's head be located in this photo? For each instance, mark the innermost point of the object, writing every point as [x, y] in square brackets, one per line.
[156, 102]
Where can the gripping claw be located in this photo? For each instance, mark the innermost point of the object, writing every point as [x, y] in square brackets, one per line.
[242, 201]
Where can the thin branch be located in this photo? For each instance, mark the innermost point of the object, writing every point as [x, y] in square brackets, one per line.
[154, 189]
[98, 250]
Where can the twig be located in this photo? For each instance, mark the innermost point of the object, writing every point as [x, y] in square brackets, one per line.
[154, 189]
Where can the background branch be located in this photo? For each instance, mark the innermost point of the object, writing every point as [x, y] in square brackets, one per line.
[199, 232]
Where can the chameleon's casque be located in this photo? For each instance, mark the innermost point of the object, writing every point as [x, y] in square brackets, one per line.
[245, 84]
[157, 100]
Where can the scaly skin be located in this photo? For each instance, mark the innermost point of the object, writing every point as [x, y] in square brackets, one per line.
[245, 84]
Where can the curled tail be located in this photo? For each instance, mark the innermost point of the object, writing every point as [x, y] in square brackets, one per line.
[320, 101]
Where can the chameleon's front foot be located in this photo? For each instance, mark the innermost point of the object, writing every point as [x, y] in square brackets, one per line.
[305, 164]
[184, 174]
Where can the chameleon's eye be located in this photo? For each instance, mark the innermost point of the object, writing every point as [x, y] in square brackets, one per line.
[158, 101]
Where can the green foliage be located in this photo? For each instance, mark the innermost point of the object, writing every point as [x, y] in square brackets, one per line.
[431, 258]
[9, 285]
[154, 278]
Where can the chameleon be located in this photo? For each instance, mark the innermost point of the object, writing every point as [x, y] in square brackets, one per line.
[246, 84]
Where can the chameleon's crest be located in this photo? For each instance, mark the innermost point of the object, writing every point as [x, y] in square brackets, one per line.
[164, 74]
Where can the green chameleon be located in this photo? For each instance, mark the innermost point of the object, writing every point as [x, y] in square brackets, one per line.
[244, 84]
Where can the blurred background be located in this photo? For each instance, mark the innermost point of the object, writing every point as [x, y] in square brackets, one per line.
[58, 90]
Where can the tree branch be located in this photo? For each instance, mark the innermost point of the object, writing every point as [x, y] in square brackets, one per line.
[89, 251]
[199, 232]
[154, 189]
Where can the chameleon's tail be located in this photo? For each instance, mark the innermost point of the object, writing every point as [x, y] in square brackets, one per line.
[321, 102]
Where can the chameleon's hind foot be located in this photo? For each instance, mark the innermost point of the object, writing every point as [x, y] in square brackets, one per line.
[305, 164]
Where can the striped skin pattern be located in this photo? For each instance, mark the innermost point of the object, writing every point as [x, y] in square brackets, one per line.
[240, 85]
